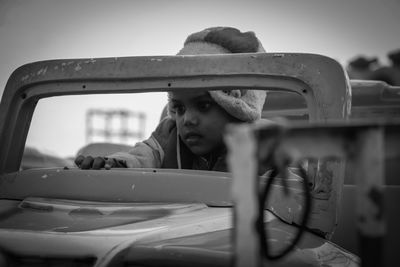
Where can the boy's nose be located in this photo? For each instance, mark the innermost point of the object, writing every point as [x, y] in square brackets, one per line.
[190, 117]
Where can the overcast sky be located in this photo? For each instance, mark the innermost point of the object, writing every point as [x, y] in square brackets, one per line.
[33, 30]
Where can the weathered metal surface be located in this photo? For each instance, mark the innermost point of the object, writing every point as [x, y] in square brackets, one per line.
[367, 159]
[245, 193]
[119, 185]
[216, 249]
[361, 144]
[104, 242]
[69, 216]
[370, 99]
[319, 79]
[190, 235]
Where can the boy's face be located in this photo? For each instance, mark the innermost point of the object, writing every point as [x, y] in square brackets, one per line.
[200, 121]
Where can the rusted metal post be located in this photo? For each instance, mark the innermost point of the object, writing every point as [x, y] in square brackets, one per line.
[369, 172]
[243, 164]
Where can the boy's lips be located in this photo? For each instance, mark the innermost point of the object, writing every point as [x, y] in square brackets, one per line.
[192, 138]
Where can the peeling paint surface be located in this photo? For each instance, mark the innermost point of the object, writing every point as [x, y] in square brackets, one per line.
[92, 61]
[42, 71]
[78, 67]
[329, 255]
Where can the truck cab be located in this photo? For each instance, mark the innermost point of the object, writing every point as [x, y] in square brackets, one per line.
[147, 217]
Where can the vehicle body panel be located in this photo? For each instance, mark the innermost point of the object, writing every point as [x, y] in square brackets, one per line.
[319, 79]
[183, 235]
[86, 216]
[369, 100]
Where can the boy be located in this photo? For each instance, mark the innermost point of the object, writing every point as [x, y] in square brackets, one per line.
[191, 137]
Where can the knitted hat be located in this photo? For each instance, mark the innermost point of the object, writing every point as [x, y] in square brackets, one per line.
[243, 104]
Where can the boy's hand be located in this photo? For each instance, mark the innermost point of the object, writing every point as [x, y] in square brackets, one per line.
[97, 163]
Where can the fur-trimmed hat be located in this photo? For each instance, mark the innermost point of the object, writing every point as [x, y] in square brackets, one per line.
[245, 105]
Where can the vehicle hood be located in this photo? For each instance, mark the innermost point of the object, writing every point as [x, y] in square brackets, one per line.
[147, 234]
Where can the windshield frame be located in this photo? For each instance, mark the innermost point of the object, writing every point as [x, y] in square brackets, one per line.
[319, 79]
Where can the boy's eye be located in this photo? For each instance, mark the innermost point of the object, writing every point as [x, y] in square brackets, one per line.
[204, 105]
[178, 108]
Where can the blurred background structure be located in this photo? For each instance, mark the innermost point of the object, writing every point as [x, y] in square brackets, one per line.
[390, 73]
[363, 68]
[117, 126]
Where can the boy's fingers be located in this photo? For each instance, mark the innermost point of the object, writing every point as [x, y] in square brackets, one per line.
[109, 163]
[78, 160]
[98, 163]
[86, 163]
